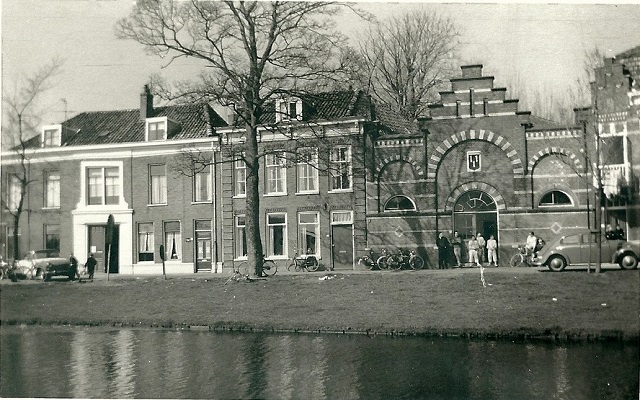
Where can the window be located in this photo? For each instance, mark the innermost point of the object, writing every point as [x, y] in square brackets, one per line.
[15, 192]
[146, 243]
[399, 203]
[51, 137]
[555, 198]
[103, 186]
[571, 239]
[240, 170]
[156, 130]
[307, 170]
[52, 237]
[52, 189]
[341, 217]
[241, 237]
[340, 168]
[202, 186]
[157, 184]
[276, 173]
[172, 240]
[277, 234]
[288, 109]
[203, 239]
[309, 232]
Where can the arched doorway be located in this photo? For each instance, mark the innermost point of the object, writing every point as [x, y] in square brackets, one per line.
[475, 211]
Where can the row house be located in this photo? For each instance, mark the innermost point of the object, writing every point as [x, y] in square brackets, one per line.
[339, 174]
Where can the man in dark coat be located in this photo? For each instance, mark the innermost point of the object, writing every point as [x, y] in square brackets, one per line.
[443, 251]
[91, 265]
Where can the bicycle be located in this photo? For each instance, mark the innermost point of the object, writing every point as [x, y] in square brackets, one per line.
[307, 262]
[405, 259]
[383, 261]
[368, 260]
[269, 268]
[523, 256]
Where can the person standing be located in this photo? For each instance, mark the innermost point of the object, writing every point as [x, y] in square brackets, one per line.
[474, 246]
[492, 251]
[482, 243]
[443, 251]
[74, 264]
[91, 265]
[456, 242]
[531, 243]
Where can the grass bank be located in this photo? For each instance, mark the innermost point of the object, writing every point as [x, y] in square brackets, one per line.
[515, 304]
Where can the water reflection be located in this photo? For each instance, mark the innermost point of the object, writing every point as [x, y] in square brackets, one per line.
[97, 363]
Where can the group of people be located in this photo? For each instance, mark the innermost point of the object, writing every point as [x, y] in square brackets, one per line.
[90, 265]
[477, 248]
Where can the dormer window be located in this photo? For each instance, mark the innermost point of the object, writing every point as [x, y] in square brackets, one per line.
[156, 129]
[52, 136]
[288, 109]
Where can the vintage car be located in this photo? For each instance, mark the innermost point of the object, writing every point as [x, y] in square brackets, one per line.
[580, 247]
[42, 264]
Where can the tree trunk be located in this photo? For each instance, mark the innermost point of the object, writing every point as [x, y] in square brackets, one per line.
[16, 238]
[254, 242]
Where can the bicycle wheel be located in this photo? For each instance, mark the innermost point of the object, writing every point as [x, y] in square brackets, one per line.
[292, 266]
[382, 262]
[242, 268]
[269, 267]
[313, 265]
[516, 260]
[394, 262]
[416, 262]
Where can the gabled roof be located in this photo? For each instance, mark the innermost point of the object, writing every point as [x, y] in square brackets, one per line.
[124, 126]
[391, 122]
[325, 106]
[634, 52]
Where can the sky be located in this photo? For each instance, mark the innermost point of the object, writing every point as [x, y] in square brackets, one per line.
[543, 44]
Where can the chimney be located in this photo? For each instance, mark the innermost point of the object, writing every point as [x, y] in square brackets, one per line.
[146, 103]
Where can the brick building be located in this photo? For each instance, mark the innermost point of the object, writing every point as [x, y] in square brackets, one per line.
[339, 174]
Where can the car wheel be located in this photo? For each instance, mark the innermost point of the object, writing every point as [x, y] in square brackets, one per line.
[557, 263]
[629, 261]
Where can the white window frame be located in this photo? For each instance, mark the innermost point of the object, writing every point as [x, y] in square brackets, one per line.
[50, 139]
[275, 163]
[240, 231]
[162, 191]
[303, 228]
[413, 204]
[151, 237]
[239, 178]
[178, 241]
[270, 236]
[205, 176]
[157, 121]
[14, 192]
[46, 234]
[51, 189]
[336, 221]
[307, 172]
[335, 165]
[283, 109]
[103, 184]
[540, 204]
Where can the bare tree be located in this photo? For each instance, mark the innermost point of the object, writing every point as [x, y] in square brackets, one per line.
[20, 122]
[407, 58]
[253, 52]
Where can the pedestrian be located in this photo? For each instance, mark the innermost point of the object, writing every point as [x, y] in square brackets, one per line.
[443, 251]
[618, 233]
[482, 244]
[473, 248]
[492, 251]
[456, 242]
[531, 243]
[74, 264]
[91, 265]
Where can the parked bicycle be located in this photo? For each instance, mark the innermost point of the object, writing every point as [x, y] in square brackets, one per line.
[522, 257]
[242, 272]
[370, 260]
[307, 262]
[405, 259]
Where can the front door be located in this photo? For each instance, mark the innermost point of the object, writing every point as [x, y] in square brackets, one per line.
[203, 245]
[475, 211]
[342, 245]
[97, 246]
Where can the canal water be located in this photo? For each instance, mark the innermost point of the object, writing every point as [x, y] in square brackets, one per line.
[130, 363]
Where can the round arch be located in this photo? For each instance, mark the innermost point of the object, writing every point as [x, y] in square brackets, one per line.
[466, 187]
[487, 136]
[574, 160]
[386, 161]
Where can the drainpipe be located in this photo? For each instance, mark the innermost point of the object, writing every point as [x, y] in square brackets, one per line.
[214, 176]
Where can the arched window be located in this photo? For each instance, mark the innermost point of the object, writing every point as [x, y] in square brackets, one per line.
[555, 198]
[399, 203]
